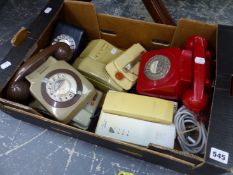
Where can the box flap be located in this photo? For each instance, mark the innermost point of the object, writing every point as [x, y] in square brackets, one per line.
[45, 18]
[14, 15]
[220, 140]
[186, 28]
[12, 57]
[82, 14]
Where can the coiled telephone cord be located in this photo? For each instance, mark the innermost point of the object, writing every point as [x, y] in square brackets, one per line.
[186, 122]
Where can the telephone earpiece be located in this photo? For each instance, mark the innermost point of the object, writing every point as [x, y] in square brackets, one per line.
[196, 98]
[18, 88]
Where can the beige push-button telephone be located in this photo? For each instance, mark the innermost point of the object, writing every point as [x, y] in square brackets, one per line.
[60, 88]
[124, 69]
[93, 60]
[137, 119]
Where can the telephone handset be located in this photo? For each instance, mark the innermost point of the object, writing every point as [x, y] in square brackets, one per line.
[124, 69]
[18, 88]
[177, 74]
[196, 98]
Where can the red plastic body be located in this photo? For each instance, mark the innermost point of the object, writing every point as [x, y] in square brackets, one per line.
[178, 78]
[184, 77]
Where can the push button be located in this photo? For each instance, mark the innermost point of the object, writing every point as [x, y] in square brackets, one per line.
[119, 75]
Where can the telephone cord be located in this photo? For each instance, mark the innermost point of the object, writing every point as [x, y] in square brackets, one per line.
[183, 117]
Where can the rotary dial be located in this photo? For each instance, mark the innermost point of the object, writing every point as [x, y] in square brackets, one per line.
[157, 67]
[61, 87]
[65, 39]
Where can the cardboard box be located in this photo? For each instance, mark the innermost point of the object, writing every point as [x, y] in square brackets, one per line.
[122, 33]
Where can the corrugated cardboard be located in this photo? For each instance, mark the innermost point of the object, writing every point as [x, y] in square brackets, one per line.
[123, 32]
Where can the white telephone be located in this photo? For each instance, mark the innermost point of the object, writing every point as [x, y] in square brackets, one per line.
[137, 119]
[135, 131]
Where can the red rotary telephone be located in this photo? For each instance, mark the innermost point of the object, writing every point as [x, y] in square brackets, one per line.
[177, 74]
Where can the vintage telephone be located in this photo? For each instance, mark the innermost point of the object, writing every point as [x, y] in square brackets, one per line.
[124, 69]
[92, 63]
[18, 88]
[83, 118]
[178, 74]
[135, 131]
[73, 36]
[137, 119]
[60, 88]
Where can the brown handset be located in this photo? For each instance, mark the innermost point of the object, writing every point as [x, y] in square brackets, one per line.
[18, 88]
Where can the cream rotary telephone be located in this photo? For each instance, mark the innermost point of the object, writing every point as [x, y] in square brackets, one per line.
[60, 88]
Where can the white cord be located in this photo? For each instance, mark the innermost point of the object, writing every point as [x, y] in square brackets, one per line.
[184, 119]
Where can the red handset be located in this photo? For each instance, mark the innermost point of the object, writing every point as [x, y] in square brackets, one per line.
[196, 98]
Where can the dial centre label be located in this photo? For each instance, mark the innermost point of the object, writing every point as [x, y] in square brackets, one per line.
[157, 67]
